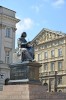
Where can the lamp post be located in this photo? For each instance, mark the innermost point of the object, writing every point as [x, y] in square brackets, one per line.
[1, 82]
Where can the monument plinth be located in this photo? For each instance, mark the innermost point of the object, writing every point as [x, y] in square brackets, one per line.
[25, 72]
[25, 69]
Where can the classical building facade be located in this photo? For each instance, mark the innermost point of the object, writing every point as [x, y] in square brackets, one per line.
[50, 51]
[7, 41]
[7, 34]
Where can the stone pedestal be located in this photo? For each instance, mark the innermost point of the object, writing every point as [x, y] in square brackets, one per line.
[22, 92]
[24, 72]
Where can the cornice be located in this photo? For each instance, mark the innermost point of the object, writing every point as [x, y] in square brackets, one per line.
[51, 41]
[3, 26]
[9, 17]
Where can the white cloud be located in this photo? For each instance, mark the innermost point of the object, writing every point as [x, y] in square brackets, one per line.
[58, 3]
[24, 24]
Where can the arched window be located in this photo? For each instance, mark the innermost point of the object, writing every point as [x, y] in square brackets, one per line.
[6, 81]
[60, 91]
[46, 86]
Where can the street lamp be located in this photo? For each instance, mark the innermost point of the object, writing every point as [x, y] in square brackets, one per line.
[1, 82]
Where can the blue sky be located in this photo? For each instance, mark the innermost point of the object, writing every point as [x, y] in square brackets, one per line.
[37, 14]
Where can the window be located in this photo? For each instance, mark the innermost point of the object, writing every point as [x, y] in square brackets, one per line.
[39, 57]
[36, 49]
[52, 53]
[59, 65]
[45, 67]
[45, 55]
[8, 30]
[59, 80]
[52, 66]
[61, 41]
[59, 52]
[45, 86]
[7, 56]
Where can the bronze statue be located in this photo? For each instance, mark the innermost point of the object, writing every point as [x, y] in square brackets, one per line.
[25, 49]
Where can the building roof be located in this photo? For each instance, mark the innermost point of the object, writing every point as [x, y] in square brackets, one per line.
[59, 33]
[8, 9]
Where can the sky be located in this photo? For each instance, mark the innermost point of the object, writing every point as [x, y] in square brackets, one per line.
[35, 15]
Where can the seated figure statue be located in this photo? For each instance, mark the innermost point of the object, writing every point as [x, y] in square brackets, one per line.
[26, 51]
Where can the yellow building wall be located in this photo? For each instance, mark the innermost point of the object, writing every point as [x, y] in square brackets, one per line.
[55, 59]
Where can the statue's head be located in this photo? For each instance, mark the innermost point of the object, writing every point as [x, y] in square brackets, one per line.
[23, 34]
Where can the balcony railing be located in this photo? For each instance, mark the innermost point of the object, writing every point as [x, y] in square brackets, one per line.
[52, 73]
[61, 72]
